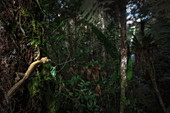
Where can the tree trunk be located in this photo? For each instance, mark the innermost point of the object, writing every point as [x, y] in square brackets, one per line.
[134, 33]
[153, 79]
[103, 48]
[123, 63]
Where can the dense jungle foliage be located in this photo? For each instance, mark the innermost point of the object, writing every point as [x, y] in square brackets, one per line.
[84, 56]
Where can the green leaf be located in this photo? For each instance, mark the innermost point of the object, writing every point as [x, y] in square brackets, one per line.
[46, 5]
[127, 102]
[108, 44]
[33, 24]
[62, 23]
[129, 69]
[53, 72]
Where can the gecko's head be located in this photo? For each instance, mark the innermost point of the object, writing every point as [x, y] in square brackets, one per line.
[45, 60]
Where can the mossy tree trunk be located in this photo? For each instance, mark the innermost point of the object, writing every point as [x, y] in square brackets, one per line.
[123, 64]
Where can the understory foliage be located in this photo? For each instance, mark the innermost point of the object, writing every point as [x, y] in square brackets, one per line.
[82, 39]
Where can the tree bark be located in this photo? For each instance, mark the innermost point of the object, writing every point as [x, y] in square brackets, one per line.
[103, 47]
[123, 64]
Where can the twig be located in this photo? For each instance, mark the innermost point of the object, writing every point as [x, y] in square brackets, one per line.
[65, 61]
[38, 56]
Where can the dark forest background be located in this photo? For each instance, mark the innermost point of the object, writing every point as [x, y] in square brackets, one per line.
[104, 56]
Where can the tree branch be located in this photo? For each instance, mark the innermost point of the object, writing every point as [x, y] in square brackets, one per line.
[31, 68]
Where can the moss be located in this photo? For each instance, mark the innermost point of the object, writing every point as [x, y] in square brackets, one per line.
[42, 86]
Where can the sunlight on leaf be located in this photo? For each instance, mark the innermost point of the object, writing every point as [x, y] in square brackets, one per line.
[53, 71]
